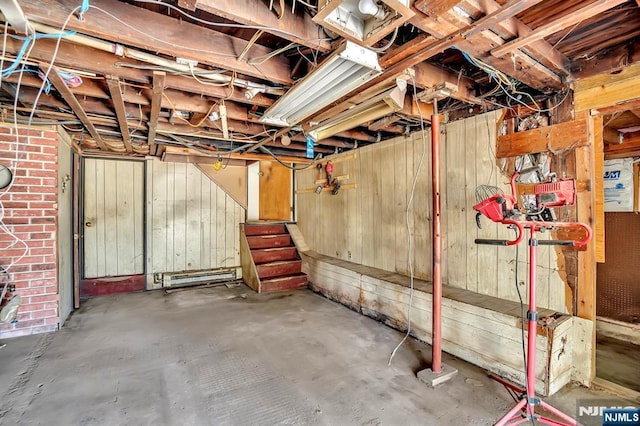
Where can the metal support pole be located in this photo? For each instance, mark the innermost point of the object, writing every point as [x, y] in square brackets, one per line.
[436, 343]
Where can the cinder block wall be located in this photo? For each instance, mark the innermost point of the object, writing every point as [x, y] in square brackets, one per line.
[30, 212]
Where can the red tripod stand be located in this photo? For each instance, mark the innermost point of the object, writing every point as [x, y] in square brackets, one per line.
[499, 208]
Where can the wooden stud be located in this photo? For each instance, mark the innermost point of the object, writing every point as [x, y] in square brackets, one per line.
[118, 104]
[156, 101]
[71, 100]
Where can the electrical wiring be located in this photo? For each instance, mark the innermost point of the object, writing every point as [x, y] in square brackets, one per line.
[275, 157]
[3, 226]
[259, 60]
[505, 83]
[408, 225]
[389, 43]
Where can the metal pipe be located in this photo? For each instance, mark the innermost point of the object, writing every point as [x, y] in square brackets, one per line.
[127, 52]
[436, 336]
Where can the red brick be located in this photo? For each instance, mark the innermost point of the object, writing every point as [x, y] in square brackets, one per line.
[31, 260]
[44, 314]
[43, 220]
[37, 291]
[32, 307]
[29, 181]
[30, 276]
[43, 173]
[50, 150]
[47, 298]
[16, 205]
[36, 165]
[40, 251]
[47, 158]
[41, 235]
[44, 267]
[32, 148]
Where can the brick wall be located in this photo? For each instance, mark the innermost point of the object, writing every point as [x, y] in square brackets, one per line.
[30, 211]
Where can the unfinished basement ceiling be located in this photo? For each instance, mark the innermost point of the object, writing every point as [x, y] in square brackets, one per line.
[195, 77]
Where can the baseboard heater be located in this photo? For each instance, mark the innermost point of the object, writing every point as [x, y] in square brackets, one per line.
[190, 278]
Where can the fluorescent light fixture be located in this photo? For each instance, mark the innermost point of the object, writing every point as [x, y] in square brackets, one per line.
[348, 68]
[385, 103]
[363, 21]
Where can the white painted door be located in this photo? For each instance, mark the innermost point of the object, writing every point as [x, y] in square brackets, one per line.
[113, 225]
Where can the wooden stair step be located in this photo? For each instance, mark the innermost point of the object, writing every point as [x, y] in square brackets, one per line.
[279, 269]
[268, 241]
[290, 282]
[270, 229]
[274, 254]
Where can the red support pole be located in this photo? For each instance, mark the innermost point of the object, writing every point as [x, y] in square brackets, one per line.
[533, 319]
[436, 336]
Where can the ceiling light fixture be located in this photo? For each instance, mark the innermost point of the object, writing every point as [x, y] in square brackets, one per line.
[384, 104]
[348, 68]
[363, 21]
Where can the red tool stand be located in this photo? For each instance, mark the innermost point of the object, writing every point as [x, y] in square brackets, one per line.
[524, 410]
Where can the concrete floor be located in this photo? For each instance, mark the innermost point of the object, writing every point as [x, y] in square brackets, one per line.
[618, 362]
[211, 356]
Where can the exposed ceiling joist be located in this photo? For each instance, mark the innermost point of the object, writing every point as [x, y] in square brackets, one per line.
[450, 27]
[71, 100]
[118, 104]
[297, 28]
[559, 24]
[159, 78]
[434, 7]
[159, 33]
[513, 27]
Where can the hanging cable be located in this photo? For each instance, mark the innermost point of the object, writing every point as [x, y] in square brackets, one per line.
[408, 224]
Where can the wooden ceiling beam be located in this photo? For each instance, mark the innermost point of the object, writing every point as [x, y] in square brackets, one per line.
[434, 7]
[513, 27]
[611, 136]
[118, 105]
[171, 36]
[75, 106]
[451, 26]
[159, 78]
[298, 28]
[573, 18]
[70, 55]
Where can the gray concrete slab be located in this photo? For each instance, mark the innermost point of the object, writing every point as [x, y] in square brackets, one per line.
[209, 356]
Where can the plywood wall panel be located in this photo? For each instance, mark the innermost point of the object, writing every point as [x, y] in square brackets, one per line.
[369, 221]
[194, 223]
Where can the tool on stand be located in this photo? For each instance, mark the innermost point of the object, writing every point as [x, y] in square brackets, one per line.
[502, 208]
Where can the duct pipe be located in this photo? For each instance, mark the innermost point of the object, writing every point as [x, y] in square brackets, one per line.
[121, 50]
[436, 335]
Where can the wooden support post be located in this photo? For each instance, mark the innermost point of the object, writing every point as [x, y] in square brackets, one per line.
[156, 101]
[586, 284]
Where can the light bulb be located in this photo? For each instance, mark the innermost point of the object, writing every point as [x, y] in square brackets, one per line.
[371, 8]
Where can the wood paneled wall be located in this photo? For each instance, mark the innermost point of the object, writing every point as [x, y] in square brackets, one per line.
[192, 223]
[367, 225]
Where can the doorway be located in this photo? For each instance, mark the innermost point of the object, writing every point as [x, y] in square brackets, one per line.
[112, 224]
[275, 192]
[618, 280]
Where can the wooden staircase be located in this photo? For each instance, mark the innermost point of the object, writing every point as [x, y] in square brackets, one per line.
[270, 260]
